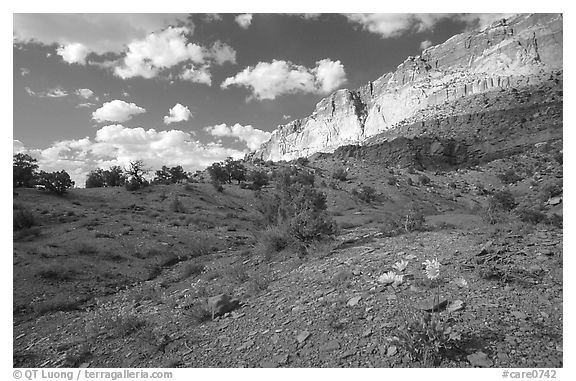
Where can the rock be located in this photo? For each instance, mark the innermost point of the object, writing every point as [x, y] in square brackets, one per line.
[432, 304]
[456, 305]
[367, 333]
[347, 354]
[479, 359]
[268, 364]
[486, 248]
[353, 301]
[391, 350]
[555, 201]
[420, 85]
[221, 304]
[302, 336]
[518, 315]
[330, 346]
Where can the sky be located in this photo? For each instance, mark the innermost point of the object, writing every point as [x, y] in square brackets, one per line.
[96, 90]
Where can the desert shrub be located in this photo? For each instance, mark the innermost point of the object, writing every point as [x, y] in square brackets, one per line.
[365, 193]
[555, 220]
[272, 240]
[201, 245]
[414, 221]
[509, 177]
[83, 248]
[55, 182]
[55, 272]
[191, 269]
[132, 185]
[199, 313]
[176, 206]
[409, 181]
[558, 157]
[426, 338]
[23, 218]
[423, 179]
[58, 303]
[551, 189]
[302, 161]
[217, 185]
[502, 200]
[411, 170]
[237, 273]
[310, 225]
[452, 185]
[109, 320]
[259, 179]
[340, 174]
[530, 215]
[391, 180]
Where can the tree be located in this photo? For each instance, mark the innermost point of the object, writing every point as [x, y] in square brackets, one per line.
[218, 173]
[136, 170]
[178, 174]
[114, 177]
[235, 169]
[172, 175]
[259, 178]
[95, 179]
[55, 182]
[24, 170]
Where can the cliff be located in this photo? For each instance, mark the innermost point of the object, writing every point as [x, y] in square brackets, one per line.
[515, 53]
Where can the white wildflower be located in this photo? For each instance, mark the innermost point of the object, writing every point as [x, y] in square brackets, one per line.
[401, 266]
[432, 268]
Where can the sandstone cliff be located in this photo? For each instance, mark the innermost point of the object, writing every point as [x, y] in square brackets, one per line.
[514, 53]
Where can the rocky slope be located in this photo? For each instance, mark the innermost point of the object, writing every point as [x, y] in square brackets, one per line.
[520, 52]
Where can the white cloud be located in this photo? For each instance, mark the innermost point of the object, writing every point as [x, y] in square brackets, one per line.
[425, 44]
[161, 50]
[178, 113]
[55, 93]
[117, 111]
[30, 92]
[389, 25]
[253, 137]
[85, 105]
[212, 17]
[17, 146]
[84, 93]
[118, 145]
[329, 74]
[196, 75]
[244, 20]
[99, 33]
[222, 53]
[73, 53]
[267, 80]
[24, 71]
[286, 117]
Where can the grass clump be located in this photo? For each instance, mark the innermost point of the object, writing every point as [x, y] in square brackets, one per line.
[23, 218]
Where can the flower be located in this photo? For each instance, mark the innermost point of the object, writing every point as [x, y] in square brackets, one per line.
[432, 268]
[401, 266]
[391, 277]
[388, 277]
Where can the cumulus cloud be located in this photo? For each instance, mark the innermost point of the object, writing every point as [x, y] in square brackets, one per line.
[389, 25]
[74, 53]
[222, 53]
[56, 92]
[99, 33]
[84, 93]
[425, 44]
[196, 75]
[267, 80]
[158, 51]
[244, 20]
[118, 145]
[178, 113]
[85, 105]
[253, 137]
[117, 111]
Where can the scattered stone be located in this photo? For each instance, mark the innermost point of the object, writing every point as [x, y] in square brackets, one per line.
[84, 365]
[367, 333]
[268, 364]
[347, 354]
[555, 201]
[330, 346]
[221, 304]
[302, 336]
[354, 301]
[456, 305]
[486, 248]
[281, 359]
[391, 350]
[519, 315]
[479, 359]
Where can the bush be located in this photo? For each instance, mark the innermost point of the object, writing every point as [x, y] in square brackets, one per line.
[312, 226]
[55, 182]
[176, 206]
[366, 193]
[423, 179]
[132, 185]
[509, 177]
[531, 216]
[303, 161]
[24, 170]
[23, 218]
[502, 200]
[340, 174]
[259, 179]
[217, 185]
[551, 189]
[192, 269]
[272, 240]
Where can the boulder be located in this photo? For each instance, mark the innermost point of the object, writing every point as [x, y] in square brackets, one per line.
[221, 304]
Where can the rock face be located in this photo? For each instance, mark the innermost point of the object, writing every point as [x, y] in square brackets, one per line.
[515, 53]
